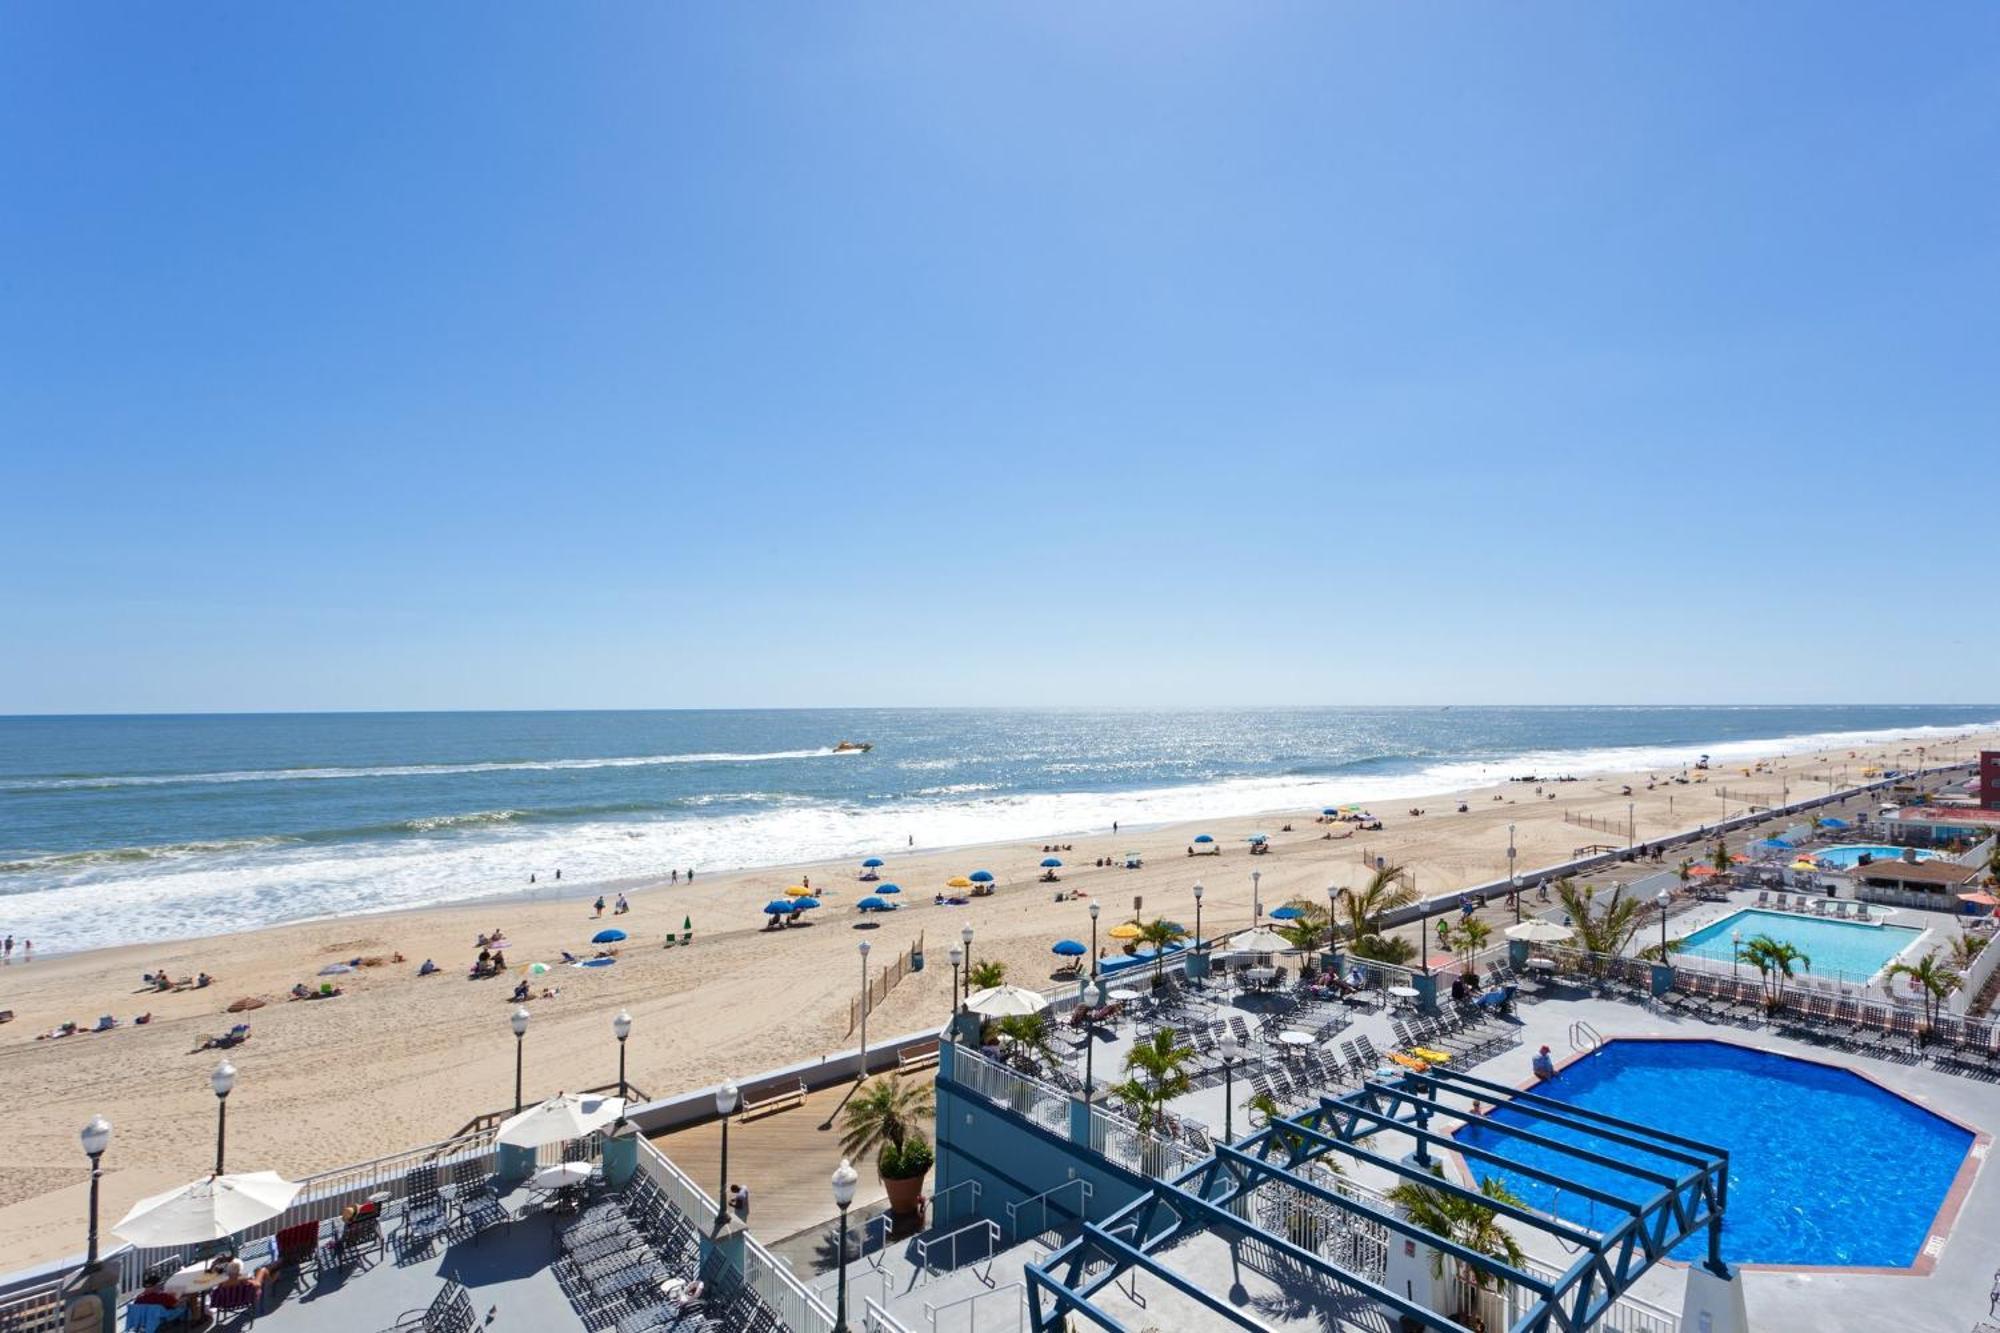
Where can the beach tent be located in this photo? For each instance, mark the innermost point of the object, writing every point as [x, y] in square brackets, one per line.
[607, 937]
[982, 877]
[1005, 1002]
[1069, 949]
[563, 1117]
[207, 1209]
[1537, 931]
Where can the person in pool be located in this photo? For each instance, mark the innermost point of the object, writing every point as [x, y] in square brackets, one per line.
[1545, 1067]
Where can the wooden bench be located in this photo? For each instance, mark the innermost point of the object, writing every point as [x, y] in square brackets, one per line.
[921, 1055]
[778, 1096]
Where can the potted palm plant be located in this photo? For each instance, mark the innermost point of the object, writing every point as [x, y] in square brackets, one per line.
[886, 1118]
[1470, 1225]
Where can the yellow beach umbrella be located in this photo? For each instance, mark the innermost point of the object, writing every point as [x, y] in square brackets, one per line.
[798, 891]
[1128, 930]
[958, 882]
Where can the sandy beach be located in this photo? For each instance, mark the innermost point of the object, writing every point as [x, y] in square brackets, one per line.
[400, 1060]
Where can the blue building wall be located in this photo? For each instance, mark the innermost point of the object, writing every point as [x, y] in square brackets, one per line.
[1014, 1159]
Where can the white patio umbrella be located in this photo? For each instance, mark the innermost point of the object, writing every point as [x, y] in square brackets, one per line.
[1537, 931]
[555, 1177]
[561, 1118]
[1261, 940]
[207, 1209]
[1005, 1002]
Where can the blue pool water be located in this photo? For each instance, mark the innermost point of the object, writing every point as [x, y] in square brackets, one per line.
[1825, 1167]
[1849, 855]
[1840, 949]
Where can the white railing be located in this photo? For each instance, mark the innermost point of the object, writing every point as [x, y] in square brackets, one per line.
[977, 1227]
[938, 1211]
[35, 1309]
[1014, 1210]
[970, 1304]
[1123, 1142]
[1018, 1092]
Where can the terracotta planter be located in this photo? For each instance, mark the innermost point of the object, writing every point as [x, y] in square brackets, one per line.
[906, 1197]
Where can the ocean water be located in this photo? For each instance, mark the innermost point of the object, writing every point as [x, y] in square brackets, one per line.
[118, 829]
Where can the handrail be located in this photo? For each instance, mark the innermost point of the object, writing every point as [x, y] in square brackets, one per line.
[992, 1232]
[937, 1214]
[1083, 1206]
[931, 1312]
[1582, 1036]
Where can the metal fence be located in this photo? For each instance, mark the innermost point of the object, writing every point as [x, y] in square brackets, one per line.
[1024, 1094]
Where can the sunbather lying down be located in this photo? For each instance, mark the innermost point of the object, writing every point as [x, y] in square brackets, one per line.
[236, 1036]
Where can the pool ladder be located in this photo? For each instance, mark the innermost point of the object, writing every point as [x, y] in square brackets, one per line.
[1584, 1037]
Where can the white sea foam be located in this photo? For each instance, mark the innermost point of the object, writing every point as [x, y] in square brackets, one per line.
[405, 770]
[235, 885]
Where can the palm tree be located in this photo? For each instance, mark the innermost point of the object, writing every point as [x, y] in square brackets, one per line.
[1935, 983]
[1029, 1033]
[886, 1111]
[1364, 909]
[1460, 1220]
[1604, 931]
[1774, 960]
[1156, 1073]
[1965, 948]
[1306, 930]
[1468, 938]
[986, 975]
[1159, 933]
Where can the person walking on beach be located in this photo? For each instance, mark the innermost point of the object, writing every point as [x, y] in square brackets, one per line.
[600, 905]
[7, 950]
[690, 874]
[558, 872]
[674, 876]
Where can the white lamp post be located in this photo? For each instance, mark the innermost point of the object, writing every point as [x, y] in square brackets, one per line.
[957, 957]
[1198, 891]
[519, 1022]
[862, 1073]
[965, 937]
[1231, 1053]
[96, 1139]
[621, 1028]
[844, 1179]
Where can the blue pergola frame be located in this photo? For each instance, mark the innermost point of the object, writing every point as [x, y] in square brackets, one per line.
[1676, 1203]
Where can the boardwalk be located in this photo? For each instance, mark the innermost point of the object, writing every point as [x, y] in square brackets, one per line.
[786, 1159]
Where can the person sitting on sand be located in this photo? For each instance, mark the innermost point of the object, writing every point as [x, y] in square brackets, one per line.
[521, 989]
[299, 992]
[428, 968]
[499, 961]
[202, 979]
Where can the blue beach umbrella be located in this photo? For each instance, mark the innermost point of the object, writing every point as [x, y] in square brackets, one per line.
[1203, 837]
[1283, 913]
[981, 877]
[607, 937]
[1834, 823]
[1258, 837]
[888, 888]
[1069, 949]
[805, 904]
[870, 904]
[1329, 811]
[873, 863]
[778, 907]
[1050, 863]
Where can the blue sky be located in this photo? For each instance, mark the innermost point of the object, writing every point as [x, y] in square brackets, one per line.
[489, 355]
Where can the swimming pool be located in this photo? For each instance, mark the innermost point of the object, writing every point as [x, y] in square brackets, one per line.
[1846, 950]
[1825, 1167]
[1848, 855]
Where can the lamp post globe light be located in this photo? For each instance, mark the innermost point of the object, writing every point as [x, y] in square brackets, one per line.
[96, 1140]
[957, 957]
[222, 1080]
[1231, 1053]
[1663, 898]
[621, 1028]
[844, 1179]
[519, 1022]
[965, 937]
[862, 1072]
[726, 1098]
[1198, 891]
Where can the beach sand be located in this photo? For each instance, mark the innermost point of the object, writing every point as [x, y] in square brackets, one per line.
[398, 1060]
